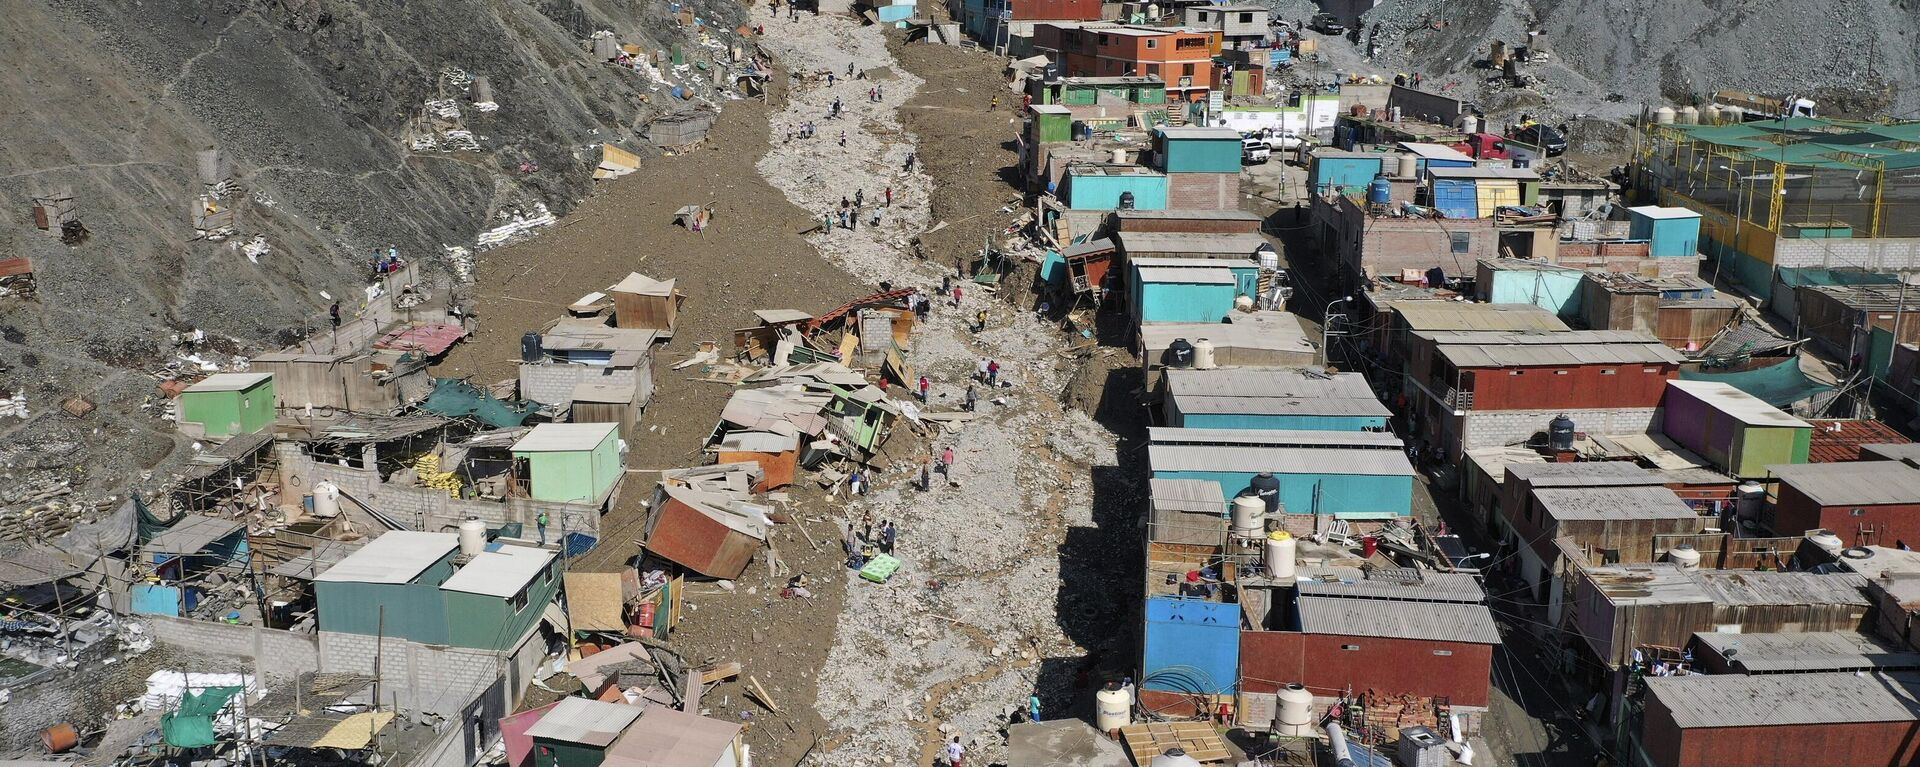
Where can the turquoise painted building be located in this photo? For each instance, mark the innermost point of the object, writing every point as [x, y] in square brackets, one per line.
[1524, 281]
[570, 462]
[1672, 232]
[1270, 399]
[1198, 290]
[411, 585]
[1330, 169]
[1363, 483]
[1099, 187]
[1192, 149]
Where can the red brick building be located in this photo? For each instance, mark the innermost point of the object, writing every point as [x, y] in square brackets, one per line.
[1183, 58]
[1866, 503]
[1782, 720]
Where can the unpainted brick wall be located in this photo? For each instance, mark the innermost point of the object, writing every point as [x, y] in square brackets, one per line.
[277, 654]
[426, 509]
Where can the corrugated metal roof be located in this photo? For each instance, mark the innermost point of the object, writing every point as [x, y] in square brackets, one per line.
[575, 336]
[1840, 439]
[599, 393]
[1198, 132]
[665, 737]
[1432, 621]
[1422, 314]
[1583, 474]
[1770, 587]
[1906, 452]
[589, 722]
[1432, 587]
[394, 557]
[1773, 700]
[759, 442]
[1283, 383]
[1196, 496]
[1196, 275]
[500, 573]
[1749, 409]
[1279, 460]
[1342, 406]
[780, 316]
[1433, 151]
[1277, 331]
[1500, 356]
[1177, 214]
[560, 437]
[1859, 483]
[1087, 248]
[1613, 503]
[1883, 560]
[229, 382]
[1497, 174]
[1657, 211]
[1167, 435]
[192, 535]
[1805, 652]
[1234, 244]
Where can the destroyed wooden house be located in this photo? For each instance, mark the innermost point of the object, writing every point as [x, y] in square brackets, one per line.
[711, 533]
[570, 352]
[827, 402]
[378, 381]
[16, 277]
[681, 130]
[616, 602]
[777, 454]
[780, 339]
[176, 563]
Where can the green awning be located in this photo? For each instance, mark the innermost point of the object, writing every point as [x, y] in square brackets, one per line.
[1780, 384]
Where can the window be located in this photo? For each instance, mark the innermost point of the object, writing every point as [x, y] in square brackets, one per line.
[1609, 371]
[1350, 647]
[1559, 372]
[1186, 70]
[519, 601]
[1153, 69]
[1443, 653]
[1152, 43]
[1246, 18]
[1858, 512]
[1462, 241]
[1105, 40]
[1513, 372]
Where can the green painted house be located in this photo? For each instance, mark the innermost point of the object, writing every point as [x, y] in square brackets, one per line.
[226, 404]
[1193, 149]
[1051, 124]
[569, 462]
[415, 586]
[577, 732]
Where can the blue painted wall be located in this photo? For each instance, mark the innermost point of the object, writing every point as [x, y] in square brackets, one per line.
[1181, 302]
[1192, 633]
[1456, 198]
[1277, 422]
[1671, 237]
[1354, 173]
[1340, 494]
[1554, 291]
[1202, 155]
[156, 599]
[1089, 192]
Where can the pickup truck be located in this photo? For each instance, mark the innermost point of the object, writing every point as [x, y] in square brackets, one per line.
[1327, 24]
[1253, 151]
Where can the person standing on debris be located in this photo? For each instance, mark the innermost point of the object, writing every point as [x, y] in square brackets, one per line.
[923, 308]
[973, 398]
[829, 79]
[926, 475]
[946, 284]
[946, 461]
[993, 373]
[333, 312]
[879, 93]
[826, 222]
[859, 197]
[924, 386]
[1040, 313]
[994, 106]
[843, 138]
[956, 753]
[1033, 708]
[980, 369]
[887, 536]
[910, 159]
[857, 485]
[849, 69]
[956, 296]
[980, 321]
[889, 195]
[540, 523]
[876, 218]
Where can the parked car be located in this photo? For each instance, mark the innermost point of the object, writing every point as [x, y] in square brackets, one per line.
[1278, 140]
[1254, 151]
[1543, 136]
[1327, 24]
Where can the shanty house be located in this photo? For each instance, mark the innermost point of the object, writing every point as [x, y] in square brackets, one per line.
[1866, 503]
[1191, 646]
[1245, 340]
[571, 352]
[1191, 149]
[1721, 652]
[1783, 720]
[390, 587]
[1474, 192]
[1271, 399]
[569, 462]
[604, 403]
[1620, 608]
[1139, 246]
[665, 737]
[1191, 291]
[579, 732]
[1365, 482]
[1671, 232]
[179, 556]
[377, 382]
[711, 534]
[1098, 186]
[497, 597]
[778, 455]
[225, 404]
[1595, 518]
[1332, 171]
[1186, 220]
[1525, 281]
[644, 303]
[1739, 433]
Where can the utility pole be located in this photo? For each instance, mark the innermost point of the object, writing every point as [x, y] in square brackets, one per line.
[1899, 313]
[379, 644]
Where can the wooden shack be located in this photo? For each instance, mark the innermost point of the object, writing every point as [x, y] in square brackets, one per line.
[644, 303]
[605, 403]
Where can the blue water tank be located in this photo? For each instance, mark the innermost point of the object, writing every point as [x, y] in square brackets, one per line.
[1380, 192]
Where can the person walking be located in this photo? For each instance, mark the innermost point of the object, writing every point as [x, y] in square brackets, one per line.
[956, 296]
[980, 369]
[889, 195]
[993, 373]
[924, 386]
[843, 138]
[333, 312]
[946, 461]
[926, 475]
[540, 524]
[859, 198]
[973, 398]
[980, 321]
[994, 105]
[924, 308]
[829, 79]
[888, 535]
[956, 753]
[910, 159]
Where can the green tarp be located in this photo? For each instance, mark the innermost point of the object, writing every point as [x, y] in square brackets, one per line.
[455, 398]
[191, 725]
[1780, 384]
[149, 525]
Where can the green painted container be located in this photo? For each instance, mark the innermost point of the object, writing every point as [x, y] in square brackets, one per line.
[1052, 124]
[1200, 150]
[570, 462]
[559, 753]
[227, 404]
[486, 622]
[415, 610]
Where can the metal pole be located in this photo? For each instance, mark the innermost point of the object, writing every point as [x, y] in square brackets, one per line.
[379, 644]
[1899, 313]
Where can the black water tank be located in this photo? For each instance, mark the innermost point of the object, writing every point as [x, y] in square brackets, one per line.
[530, 347]
[1560, 433]
[1126, 201]
[1267, 487]
[1179, 354]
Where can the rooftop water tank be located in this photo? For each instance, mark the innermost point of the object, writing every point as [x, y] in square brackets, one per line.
[1294, 719]
[1663, 116]
[1119, 156]
[1179, 354]
[1126, 201]
[1469, 124]
[1203, 354]
[1406, 166]
[1560, 433]
[1281, 555]
[1243, 303]
[326, 500]
[1174, 757]
[1687, 116]
[1267, 487]
[1380, 191]
[1747, 500]
[1710, 115]
[473, 538]
[1112, 708]
[1684, 555]
[1249, 516]
[530, 347]
[1827, 541]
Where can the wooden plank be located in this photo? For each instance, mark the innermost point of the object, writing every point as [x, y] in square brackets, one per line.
[718, 672]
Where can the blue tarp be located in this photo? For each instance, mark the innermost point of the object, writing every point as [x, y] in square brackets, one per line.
[1780, 384]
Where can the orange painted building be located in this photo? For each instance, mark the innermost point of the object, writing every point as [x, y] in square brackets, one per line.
[1181, 57]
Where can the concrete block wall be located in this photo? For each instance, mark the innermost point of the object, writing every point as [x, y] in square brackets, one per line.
[1203, 191]
[552, 383]
[439, 680]
[1491, 428]
[426, 509]
[276, 654]
[1884, 254]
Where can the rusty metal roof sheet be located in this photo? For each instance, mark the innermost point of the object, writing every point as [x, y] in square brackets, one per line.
[1773, 700]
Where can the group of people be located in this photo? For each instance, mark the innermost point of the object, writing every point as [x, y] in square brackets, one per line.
[850, 214]
[387, 262]
[868, 541]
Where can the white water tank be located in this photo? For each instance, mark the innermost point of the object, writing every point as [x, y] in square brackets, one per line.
[1281, 551]
[1687, 116]
[1406, 166]
[1203, 355]
[1827, 541]
[1295, 716]
[1469, 124]
[1747, 500]
[473, 538]
[1112, 708]
[1710, 115]
[1249, 516]
[1733, 115]
[1119, 156]
[1663, 116]
[1684, 555]
[1153, 11]
[1243, 303]
[1269, 259]
[1394, 114]
[326, 500]
[1174, 757]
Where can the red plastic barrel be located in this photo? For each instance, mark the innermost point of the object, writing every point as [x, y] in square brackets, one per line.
[646, 615]
[1368, 545]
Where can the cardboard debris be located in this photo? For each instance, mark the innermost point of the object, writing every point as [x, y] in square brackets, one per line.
[615, 162]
